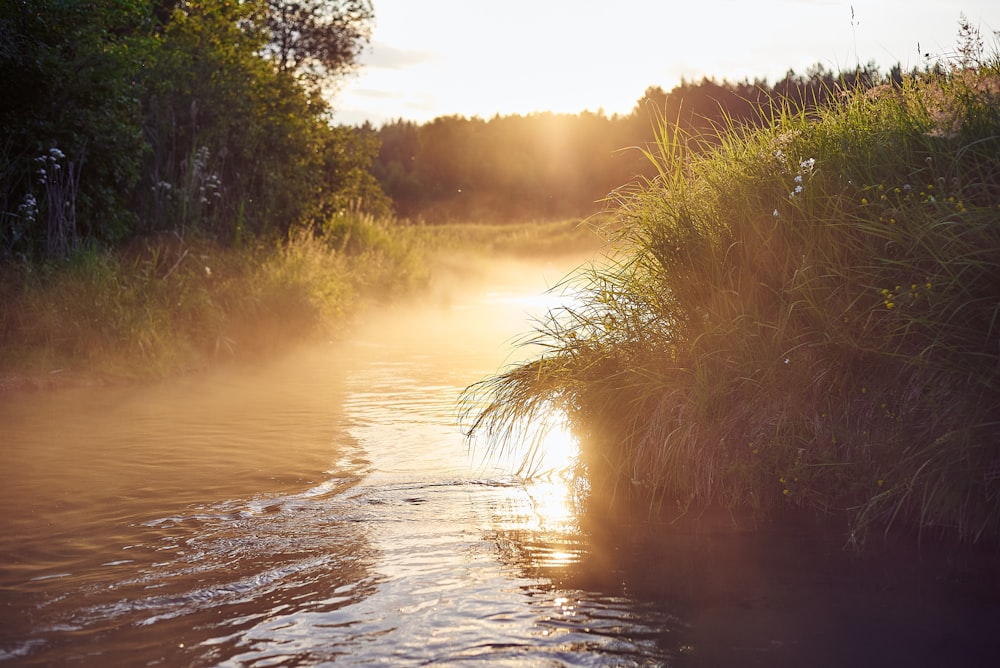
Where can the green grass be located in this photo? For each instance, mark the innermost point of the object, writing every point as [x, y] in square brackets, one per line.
[803, 317]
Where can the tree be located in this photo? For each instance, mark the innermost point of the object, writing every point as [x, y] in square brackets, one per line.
[317, 38]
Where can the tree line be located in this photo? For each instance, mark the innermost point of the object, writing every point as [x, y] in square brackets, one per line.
[122, 117]
[549, 166]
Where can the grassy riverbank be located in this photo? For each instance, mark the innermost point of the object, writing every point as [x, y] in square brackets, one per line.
[803, 317]
[169, 304]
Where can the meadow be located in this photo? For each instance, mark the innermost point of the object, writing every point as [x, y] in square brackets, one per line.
[797, 318]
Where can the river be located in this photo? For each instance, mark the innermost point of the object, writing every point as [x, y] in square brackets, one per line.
[325, 508]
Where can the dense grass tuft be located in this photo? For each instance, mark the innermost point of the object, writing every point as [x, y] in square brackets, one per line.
[804, 316]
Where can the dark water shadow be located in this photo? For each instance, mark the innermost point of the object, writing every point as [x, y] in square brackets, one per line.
[707, 593]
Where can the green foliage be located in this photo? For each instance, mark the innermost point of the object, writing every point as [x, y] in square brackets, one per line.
[67, 71]
[803, 315]
[170, 116]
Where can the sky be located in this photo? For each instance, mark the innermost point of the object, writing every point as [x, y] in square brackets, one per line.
[432, 58]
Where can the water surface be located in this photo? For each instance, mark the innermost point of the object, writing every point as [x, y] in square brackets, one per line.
[326, 509]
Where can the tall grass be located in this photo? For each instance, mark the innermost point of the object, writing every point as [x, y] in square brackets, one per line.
[803, 316]
[167, 304]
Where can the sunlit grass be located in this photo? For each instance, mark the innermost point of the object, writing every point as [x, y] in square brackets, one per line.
[167, 304]
[804, 316]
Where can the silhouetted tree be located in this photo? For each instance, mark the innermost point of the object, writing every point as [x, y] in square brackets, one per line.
[317, 38]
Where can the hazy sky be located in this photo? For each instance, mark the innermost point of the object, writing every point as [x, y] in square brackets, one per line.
[431, 58]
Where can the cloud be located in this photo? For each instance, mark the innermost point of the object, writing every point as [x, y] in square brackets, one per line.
[387, 57]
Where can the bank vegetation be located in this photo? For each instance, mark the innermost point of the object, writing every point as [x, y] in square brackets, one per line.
[801, 316]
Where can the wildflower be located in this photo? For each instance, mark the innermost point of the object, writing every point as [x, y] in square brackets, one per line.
[808, 164]
[864, 201]
[798, 178]
[787, 361]
[786, 492]
[28, 209]
[775, 213]
[798, 189]
[56, 153]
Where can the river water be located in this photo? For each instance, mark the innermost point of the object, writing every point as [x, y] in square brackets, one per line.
[325, 508]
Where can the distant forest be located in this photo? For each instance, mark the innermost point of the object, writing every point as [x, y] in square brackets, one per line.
[547, 166]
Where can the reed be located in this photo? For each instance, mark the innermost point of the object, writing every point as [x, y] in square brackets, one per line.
[803, 316]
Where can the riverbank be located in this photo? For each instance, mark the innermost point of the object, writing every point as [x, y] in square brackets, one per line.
[171, 304]
[802, 317]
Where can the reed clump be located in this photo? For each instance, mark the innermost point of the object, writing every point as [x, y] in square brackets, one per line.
[801, 316]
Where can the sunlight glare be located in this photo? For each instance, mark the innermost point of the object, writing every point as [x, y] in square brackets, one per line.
[553, 448]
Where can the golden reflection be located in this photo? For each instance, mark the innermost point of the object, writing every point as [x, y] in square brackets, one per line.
[537, 523]
[551, 504]
[552, 448]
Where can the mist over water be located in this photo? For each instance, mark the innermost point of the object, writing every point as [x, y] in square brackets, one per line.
[326, 508]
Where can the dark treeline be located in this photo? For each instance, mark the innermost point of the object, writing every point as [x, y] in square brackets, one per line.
[122, 117]
[550, 166]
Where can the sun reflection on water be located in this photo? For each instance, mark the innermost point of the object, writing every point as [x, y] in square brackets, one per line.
[550, 449]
